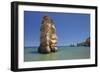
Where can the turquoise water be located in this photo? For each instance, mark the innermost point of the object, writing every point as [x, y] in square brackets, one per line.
[63, 53]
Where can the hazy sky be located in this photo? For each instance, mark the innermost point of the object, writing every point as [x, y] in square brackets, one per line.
[71, 27]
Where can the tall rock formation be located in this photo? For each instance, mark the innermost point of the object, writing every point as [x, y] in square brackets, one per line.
[48, 37]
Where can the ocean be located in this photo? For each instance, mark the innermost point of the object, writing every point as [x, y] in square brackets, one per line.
[63, 53]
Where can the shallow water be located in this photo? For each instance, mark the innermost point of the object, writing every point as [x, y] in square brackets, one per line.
[63, 53]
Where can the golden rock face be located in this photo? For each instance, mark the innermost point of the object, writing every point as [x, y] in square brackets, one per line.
[48, 37]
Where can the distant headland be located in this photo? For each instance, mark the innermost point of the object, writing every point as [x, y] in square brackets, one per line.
[86, 42]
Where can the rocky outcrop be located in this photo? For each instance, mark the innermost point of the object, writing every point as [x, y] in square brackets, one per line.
[48, 37]
[85, 43]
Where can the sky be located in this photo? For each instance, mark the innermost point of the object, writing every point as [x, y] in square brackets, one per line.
[71, 28]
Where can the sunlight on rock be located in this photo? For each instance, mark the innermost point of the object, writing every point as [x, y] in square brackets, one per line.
[48, 37]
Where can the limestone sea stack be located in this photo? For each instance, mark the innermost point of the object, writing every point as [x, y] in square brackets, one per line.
[48, 37]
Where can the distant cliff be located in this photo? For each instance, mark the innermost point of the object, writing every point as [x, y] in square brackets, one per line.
[85, 43]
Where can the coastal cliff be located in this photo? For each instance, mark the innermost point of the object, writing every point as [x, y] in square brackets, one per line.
[85, 43]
